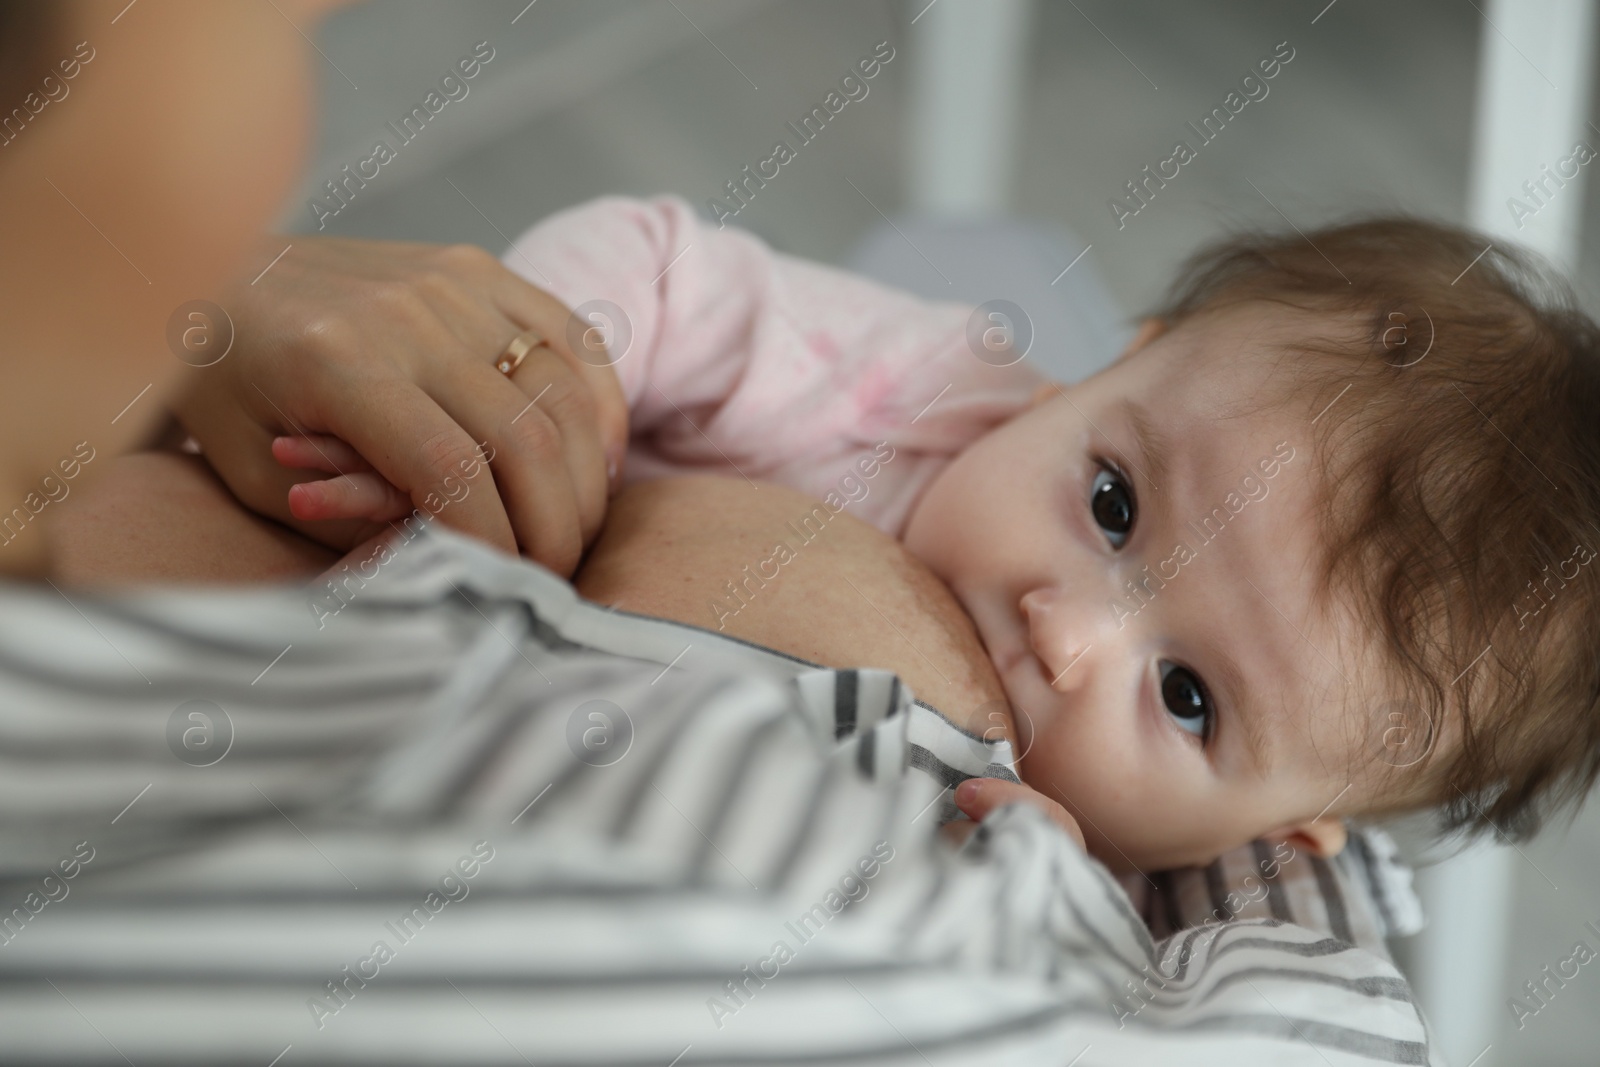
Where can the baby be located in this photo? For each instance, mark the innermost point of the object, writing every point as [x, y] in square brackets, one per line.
[1314, 547]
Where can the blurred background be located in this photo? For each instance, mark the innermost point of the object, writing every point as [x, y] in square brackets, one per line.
[983, 161]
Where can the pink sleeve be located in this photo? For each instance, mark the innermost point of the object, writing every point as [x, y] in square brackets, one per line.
[738, 360]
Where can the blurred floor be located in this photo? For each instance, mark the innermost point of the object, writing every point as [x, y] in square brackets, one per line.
[642, 96]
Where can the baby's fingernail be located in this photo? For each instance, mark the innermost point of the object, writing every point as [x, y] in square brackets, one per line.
[967, 792]
[315, 493]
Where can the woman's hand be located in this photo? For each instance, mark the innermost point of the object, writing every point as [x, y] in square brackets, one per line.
[977, 797]
[380, 356]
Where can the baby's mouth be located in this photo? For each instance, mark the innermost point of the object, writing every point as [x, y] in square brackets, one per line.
[1006, 639]
[1035, 701]
[1019, 655]
[1023, 695]
[1021, 658]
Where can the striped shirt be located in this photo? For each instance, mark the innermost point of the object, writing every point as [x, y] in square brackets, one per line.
[471, 818]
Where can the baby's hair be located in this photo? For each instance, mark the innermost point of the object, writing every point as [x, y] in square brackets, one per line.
[1460, 506]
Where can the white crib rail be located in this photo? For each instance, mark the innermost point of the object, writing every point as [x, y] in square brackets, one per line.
[1534, 75]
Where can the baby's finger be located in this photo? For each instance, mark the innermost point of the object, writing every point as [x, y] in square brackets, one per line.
[318, 452]
[956, 831]
[363, 495]
[977, 797]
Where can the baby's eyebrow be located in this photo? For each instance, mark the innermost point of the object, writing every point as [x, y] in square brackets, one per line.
[1153, 446]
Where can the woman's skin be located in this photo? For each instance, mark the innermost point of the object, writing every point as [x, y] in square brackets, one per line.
[166, 518]
[850, 597]
[143, 189]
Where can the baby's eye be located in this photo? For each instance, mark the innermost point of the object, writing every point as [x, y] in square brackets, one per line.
[1186, 699]
[1111, 502]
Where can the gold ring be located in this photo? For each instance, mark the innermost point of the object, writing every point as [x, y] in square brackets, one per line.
[517, 351]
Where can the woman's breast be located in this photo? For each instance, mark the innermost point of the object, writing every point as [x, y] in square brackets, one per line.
[767, 564]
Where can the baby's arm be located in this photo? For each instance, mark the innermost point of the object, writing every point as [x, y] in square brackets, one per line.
[783, 365]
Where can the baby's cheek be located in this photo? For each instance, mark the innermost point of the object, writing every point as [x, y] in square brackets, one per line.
[967, 519]
[1067, 763]
[1125, 809]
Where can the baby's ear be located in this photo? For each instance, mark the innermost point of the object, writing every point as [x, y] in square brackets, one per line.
[1148, 331]
[1324, 836]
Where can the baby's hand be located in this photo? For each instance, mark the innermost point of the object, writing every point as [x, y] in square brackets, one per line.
[977, 797]
[358, 492]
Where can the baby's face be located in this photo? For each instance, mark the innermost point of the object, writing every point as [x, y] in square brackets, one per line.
[1139, 554]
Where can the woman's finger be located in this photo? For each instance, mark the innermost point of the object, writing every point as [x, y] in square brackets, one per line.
[242, 458]
[591, 345]
[568, 401]
[420, 450]
[553, 522]
[530, 460]
[318, 452]
[488, 307]
[594, 364]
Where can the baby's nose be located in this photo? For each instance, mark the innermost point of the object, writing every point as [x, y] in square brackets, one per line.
[1061, 634]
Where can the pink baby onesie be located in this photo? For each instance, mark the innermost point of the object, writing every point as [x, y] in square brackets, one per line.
[738, 360]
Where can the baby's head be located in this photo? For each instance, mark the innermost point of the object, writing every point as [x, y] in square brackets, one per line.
[1316, 546]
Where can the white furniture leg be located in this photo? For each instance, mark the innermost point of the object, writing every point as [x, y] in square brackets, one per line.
[968, 69]
[1534, 75]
